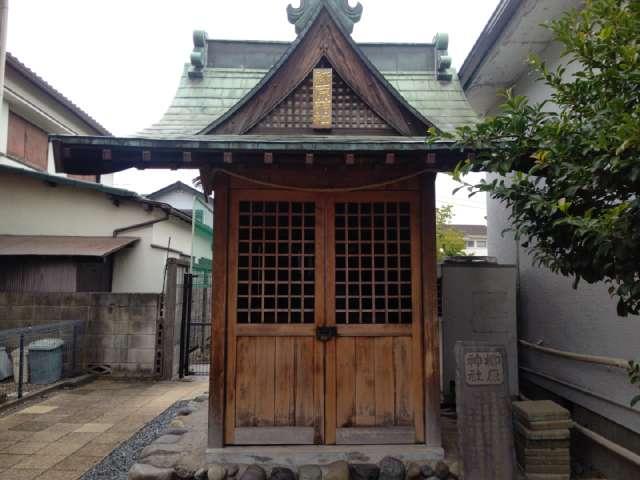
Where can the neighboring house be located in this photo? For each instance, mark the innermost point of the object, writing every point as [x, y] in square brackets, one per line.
[551, 312]
[179, 195]
[72, 233]
[31, 110]
[475, 239]
[63, 235]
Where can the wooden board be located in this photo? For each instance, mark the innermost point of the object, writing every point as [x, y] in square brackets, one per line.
[375, 436]
[274, 436]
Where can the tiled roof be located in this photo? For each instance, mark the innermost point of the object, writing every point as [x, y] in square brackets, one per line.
[472, 230]
[199, 102]
[47, 88]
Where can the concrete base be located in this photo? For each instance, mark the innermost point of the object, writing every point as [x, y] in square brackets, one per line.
[295, 456]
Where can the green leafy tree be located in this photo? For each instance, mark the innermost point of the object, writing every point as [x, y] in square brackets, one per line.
[449, 241]
[569, 168]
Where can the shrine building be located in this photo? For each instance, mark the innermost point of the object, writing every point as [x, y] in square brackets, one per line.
[324, 328]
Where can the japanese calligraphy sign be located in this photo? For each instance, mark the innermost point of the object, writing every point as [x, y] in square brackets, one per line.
[483, 368]
[322, 98]
[485, 430]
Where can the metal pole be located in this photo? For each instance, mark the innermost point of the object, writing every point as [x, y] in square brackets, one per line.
[73, 348]
[188, 335]
[20, 365]
[4, 21]
[183, 324]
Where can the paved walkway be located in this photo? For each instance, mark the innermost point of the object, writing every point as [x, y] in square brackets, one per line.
[69, 432]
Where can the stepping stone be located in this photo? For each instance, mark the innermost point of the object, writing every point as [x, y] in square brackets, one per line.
[413, 471]
[364, 471]
[282, 473]
[216, 472]
[442, 470]
[337, 471]
[391, 469]
[253, 472]
[309, 472]
[141, 471]
[426, 471]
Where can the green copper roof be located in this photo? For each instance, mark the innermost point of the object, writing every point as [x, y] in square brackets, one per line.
[200, 101]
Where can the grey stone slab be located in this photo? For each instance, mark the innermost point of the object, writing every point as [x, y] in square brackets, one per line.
[548, 476]
[555, 469]
[542, 434]
[541, 444]
[485, 425]
[540, 410]
[543, 425]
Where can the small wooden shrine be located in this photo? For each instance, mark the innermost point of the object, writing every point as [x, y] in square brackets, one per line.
[324, 311]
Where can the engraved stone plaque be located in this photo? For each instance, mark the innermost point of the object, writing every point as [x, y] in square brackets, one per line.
[485, 429]
[322, 98]
[483, 368]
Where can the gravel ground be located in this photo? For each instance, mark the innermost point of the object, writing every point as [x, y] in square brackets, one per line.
[117, 464]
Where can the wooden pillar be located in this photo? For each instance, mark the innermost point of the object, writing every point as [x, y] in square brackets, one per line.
[433, 436]
[218, 312]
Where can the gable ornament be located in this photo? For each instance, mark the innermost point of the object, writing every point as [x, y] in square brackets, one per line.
[347, 15]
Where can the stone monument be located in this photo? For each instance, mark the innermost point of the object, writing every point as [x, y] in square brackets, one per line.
[485, 428]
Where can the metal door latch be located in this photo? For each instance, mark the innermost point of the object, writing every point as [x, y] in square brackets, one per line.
[324, 334]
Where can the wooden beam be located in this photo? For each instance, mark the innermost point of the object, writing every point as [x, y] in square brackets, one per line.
[390, 159]
[268, 158]
[228, 157]
[350, 159]
[217, 377]
[433, 436]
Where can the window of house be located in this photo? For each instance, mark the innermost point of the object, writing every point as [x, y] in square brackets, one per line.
[27, 143]
[470, 243]
[481, 244]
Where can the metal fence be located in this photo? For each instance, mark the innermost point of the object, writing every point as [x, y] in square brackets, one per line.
[195, 331]
[32, 358]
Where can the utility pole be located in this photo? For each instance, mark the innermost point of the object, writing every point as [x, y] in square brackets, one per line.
[4, 20]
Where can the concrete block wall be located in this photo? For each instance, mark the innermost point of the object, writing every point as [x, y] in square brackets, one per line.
[120, 328]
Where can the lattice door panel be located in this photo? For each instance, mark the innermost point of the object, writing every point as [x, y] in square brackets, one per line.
[373, 263]
[349, 112]
[276, 262]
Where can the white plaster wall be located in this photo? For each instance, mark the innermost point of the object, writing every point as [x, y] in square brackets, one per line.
[178, 230]
[177, 199]
[582, 320]
[29, 207]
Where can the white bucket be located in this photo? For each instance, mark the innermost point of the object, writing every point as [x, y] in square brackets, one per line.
[15, 356]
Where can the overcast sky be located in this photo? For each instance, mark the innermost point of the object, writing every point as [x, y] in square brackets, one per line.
[120, 60]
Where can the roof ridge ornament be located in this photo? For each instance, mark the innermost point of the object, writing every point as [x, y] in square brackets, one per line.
[345, 13]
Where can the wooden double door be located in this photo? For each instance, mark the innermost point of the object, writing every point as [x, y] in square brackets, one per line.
[324, 329]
